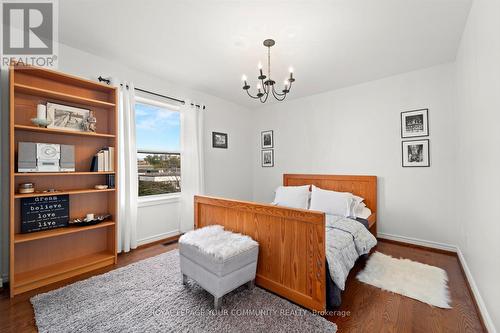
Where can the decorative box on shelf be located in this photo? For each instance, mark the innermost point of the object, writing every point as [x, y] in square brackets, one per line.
[43, 213]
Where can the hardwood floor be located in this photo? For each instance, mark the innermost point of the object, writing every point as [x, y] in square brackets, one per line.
[364, 308]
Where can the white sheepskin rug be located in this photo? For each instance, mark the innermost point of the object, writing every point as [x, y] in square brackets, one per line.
[216, 241]
[419, 281]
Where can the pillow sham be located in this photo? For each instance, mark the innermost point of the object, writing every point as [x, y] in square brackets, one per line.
[292, 196]
[363, 212]
[332, 202]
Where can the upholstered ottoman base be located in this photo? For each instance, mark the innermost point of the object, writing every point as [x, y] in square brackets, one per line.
[218, 260]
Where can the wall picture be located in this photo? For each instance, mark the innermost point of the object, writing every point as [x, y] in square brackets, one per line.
[219, 140]
[66, 117]
[415, 123]
[267, 139]
[268, 158]
[416, 153]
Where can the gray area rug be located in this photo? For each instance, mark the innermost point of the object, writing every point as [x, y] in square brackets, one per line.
[148, 296]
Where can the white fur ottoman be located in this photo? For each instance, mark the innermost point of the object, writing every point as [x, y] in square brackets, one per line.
[218, 260]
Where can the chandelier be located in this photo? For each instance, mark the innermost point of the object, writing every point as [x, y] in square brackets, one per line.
[267, 86]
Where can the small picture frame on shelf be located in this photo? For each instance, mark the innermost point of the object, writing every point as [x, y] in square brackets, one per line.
[219, 140]
[415, 153]
[67, 117]
[267, 139]
[267, 158]
[415, 123]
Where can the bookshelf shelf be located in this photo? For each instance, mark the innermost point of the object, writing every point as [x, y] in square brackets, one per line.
[77, 173]
[70, 192]
[59, 131]
[21, 238]
[39, 277]
[26, 89]
[44, 257]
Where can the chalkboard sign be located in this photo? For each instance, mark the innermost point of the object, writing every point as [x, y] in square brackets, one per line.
[42, 213]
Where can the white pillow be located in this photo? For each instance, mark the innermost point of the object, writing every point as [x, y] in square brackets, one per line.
[292, 196]
[363, 212]
[331, 202]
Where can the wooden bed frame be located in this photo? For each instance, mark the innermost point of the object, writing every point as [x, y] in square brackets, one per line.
[291, 241]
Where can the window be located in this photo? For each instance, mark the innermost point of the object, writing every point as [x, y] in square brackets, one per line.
[158, 147]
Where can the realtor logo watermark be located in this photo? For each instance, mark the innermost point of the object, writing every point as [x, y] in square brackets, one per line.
[30, 32]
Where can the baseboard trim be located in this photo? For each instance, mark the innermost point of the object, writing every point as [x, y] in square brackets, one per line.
[419, 242]
[156, 238]
[481, 307]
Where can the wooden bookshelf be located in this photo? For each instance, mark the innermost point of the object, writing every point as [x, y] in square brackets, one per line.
[44, 257]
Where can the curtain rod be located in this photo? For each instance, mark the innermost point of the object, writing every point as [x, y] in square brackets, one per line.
[108, 81]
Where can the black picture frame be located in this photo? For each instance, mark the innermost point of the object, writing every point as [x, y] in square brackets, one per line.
[263, 139]
[425, 123]
[265, 164]
[426, 151]
[219, 140]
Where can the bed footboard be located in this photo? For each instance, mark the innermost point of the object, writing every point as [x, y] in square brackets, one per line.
[291, 245]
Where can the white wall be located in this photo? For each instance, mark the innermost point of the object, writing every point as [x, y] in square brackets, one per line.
[478, 159]
[226, 170]
[356, 130]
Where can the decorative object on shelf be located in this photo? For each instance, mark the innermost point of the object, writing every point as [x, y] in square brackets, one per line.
[41, 116]
[89, 220]
[104, 160]
[268, 158]
[267, 139]
[25, 188]
[101, 187]
[67, 117]
[89, 124]
[43, 213]
[416, 153]
[267, 84]
[40, 122]
[110, 181]
[41, 111]
[50, 190]
[415, 123]
[219, 140]
[45, 157]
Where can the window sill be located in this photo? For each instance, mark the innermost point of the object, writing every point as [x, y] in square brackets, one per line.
[161, 199]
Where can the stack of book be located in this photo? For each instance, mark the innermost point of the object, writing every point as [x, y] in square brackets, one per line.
[104, 160]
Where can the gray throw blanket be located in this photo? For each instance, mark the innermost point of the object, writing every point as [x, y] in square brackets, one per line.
[346, 241]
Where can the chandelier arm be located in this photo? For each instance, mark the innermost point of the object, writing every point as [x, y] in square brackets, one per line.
[265, 99]
[277, 93]
[277, 97]
[254, 97]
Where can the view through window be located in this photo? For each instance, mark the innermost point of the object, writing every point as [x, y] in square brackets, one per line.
[158, 147]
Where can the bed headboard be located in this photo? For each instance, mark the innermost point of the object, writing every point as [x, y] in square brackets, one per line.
[364, 186]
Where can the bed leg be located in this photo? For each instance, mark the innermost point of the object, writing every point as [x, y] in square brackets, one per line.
[184, 279]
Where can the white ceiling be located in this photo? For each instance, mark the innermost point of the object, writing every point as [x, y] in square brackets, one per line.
[207, 45]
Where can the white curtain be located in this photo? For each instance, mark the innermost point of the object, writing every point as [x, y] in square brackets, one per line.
[127, 169]
[192, 172]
